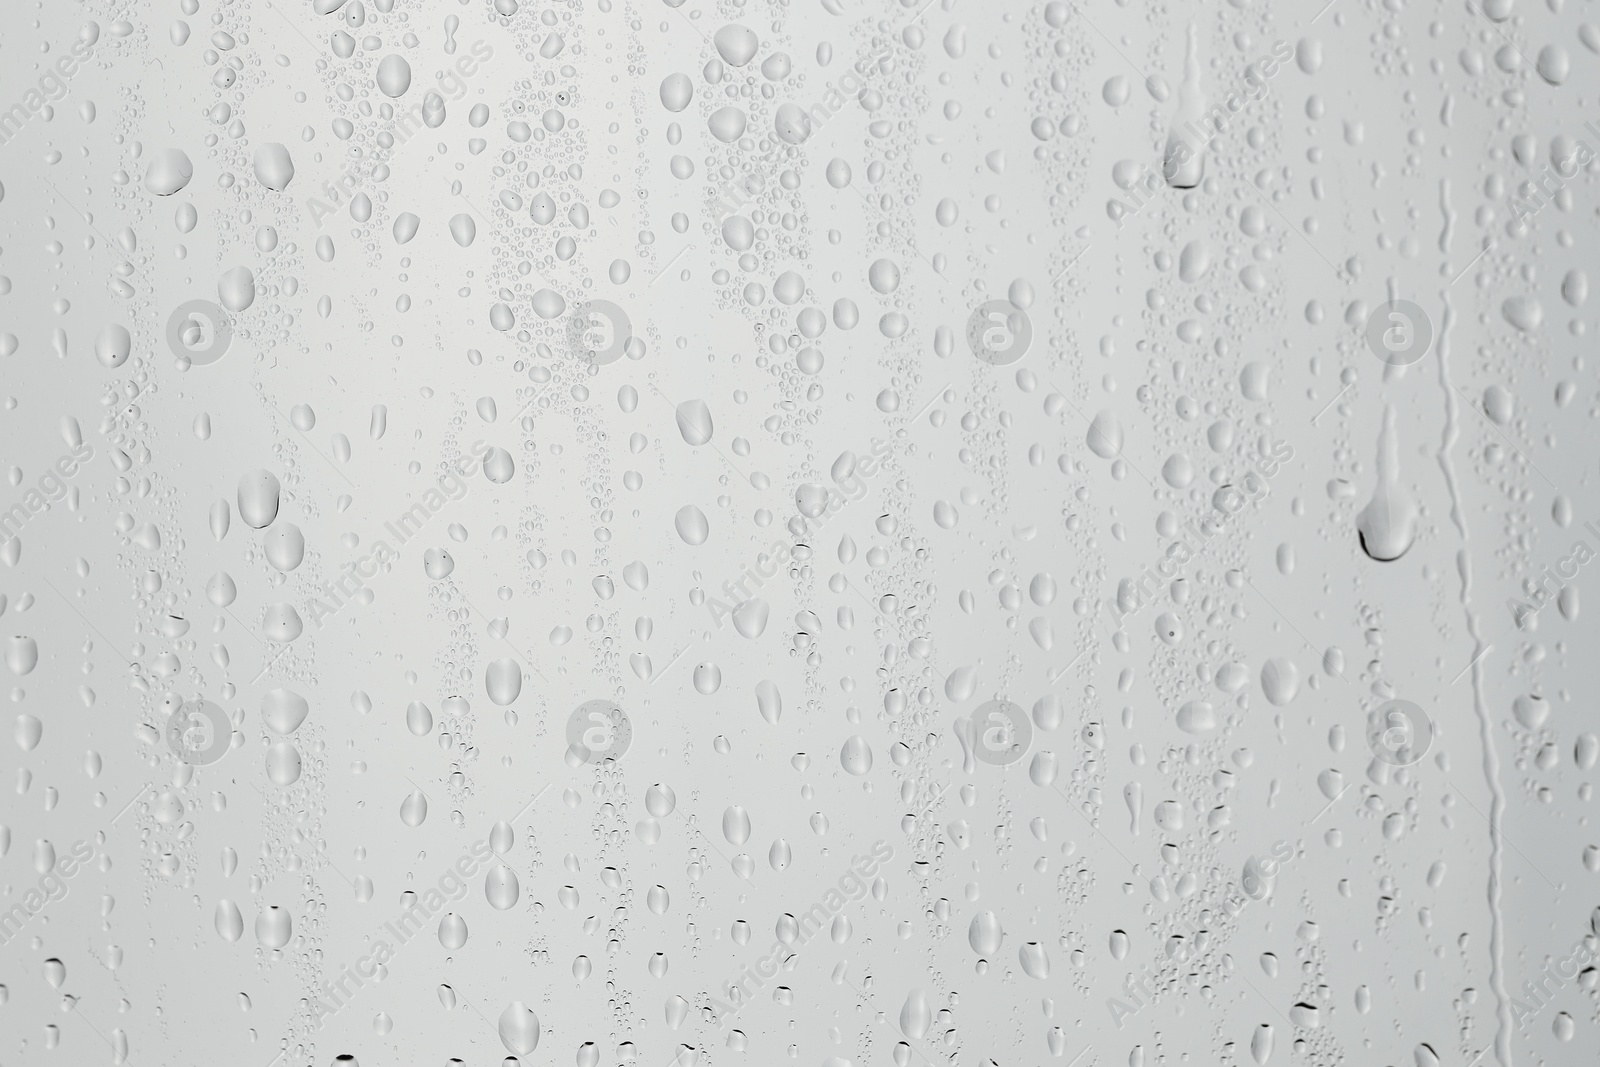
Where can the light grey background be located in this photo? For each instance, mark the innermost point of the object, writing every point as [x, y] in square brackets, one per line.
[982, 151]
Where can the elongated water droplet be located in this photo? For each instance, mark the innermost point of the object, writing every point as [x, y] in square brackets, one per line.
[1261, 1044]
[228, 921]
[769, 701]
[855, 756]
[660, 801]
[414, 808]
[501, 888]
[1388, 524]
[503, 680]
[736, 825]
[984, 933]
[1183, 162]
[258, 499]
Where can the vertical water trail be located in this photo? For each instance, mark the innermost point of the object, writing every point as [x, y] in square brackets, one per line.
[1393, 372]
[1491, 760]
[1182, 165]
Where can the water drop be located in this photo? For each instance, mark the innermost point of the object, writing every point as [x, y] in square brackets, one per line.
[519, 1029]
[394, 75]
[503, 680]
[273, 927]
[694, 422]
[1388, 524]
[273, 166]
[692, 525]
[169, 171]
[855, 756]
